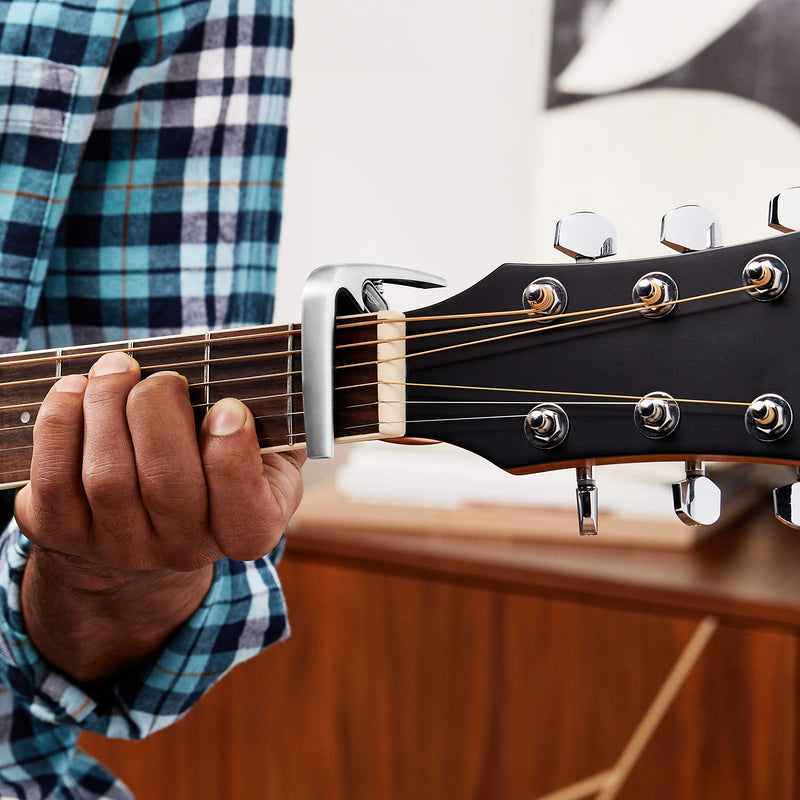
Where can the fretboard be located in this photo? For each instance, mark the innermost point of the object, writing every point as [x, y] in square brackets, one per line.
[260, 366]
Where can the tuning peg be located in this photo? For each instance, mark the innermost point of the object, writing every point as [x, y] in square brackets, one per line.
[696, 499]
[585, 236]
[784, 210]
[586, 494]
[690, 228]
[787, 503]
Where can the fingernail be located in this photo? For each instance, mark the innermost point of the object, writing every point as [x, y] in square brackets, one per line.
[111, 363]
[226, 417]
[172, 373]
[71, 383]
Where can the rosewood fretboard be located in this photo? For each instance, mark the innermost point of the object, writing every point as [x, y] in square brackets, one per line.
[260, 366]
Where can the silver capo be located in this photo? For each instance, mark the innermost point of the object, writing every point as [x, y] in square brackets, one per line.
[320, 294]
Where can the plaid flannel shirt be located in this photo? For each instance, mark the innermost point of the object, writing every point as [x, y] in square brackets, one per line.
[142, 146]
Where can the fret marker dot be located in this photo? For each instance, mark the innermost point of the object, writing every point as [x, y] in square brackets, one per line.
[25, 417]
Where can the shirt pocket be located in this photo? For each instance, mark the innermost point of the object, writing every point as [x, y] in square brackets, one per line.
[37, 164]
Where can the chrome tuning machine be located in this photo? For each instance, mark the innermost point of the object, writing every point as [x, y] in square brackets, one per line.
[767, 277]
[585, 236]
[697, 499]
[586, 495]
[544, 298]
[787, 502]
[656, 415]
[784, 210]
[768, 418]
[688, 229]
[655, 294]
[546, 426]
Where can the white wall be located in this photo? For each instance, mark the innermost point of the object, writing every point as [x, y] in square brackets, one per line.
[411, 138]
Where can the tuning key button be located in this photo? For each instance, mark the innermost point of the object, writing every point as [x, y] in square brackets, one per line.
[544, 298]
[768, 418]
[546, 426]
[585, 236]
[697, 499]
[656, 415]
[586, 494]
[767, 277]
[787, 503]
[655, 294]
[690, 228]
[784, 210]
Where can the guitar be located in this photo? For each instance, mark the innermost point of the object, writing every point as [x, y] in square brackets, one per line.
[535, 367]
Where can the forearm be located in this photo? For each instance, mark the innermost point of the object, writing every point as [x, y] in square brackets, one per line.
[91, 622]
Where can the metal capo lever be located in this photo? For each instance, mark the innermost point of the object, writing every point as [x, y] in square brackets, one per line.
[320, 295]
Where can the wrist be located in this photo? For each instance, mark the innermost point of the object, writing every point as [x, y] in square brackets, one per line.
[77, 574]
[91, 621]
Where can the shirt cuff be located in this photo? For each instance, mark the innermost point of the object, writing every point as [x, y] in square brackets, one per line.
[243, 612]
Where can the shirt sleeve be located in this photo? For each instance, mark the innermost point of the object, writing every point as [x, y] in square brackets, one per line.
[243, 612]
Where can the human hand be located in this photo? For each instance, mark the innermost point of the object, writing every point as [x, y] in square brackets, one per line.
[128, 509]
[120, 480]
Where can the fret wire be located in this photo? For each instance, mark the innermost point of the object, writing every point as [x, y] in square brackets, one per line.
[289, 365]
[58, 363]
[207, 369]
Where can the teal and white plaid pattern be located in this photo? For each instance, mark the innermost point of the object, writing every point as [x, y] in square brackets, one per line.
[42, 713]
[142, 145]
[142, 148]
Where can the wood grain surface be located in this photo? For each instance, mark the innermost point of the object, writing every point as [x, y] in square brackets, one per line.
[406, 681]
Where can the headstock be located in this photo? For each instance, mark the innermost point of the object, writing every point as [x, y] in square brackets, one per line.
[688, 358]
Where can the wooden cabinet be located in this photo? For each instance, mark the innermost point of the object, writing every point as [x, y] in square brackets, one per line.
[431, 668]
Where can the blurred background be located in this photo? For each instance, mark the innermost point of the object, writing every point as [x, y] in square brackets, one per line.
[453, 637]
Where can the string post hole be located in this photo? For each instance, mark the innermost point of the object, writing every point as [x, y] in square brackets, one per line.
[768, 418]
[655, 294]
[697, 500]
[656, 415]
[586, 495]
[766, 276]
[544, 298]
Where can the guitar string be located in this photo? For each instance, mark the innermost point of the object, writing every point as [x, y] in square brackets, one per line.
[542, 322]
[253, 335]
[620, 311]
[256, 336]
[541, 329]
[623, 310]
[612, 400]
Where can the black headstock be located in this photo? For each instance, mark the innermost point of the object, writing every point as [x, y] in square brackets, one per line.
[726, 348]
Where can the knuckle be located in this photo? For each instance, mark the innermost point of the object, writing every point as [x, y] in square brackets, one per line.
[108, 484]
[53, 425]
[167, 490]
[107, 393]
